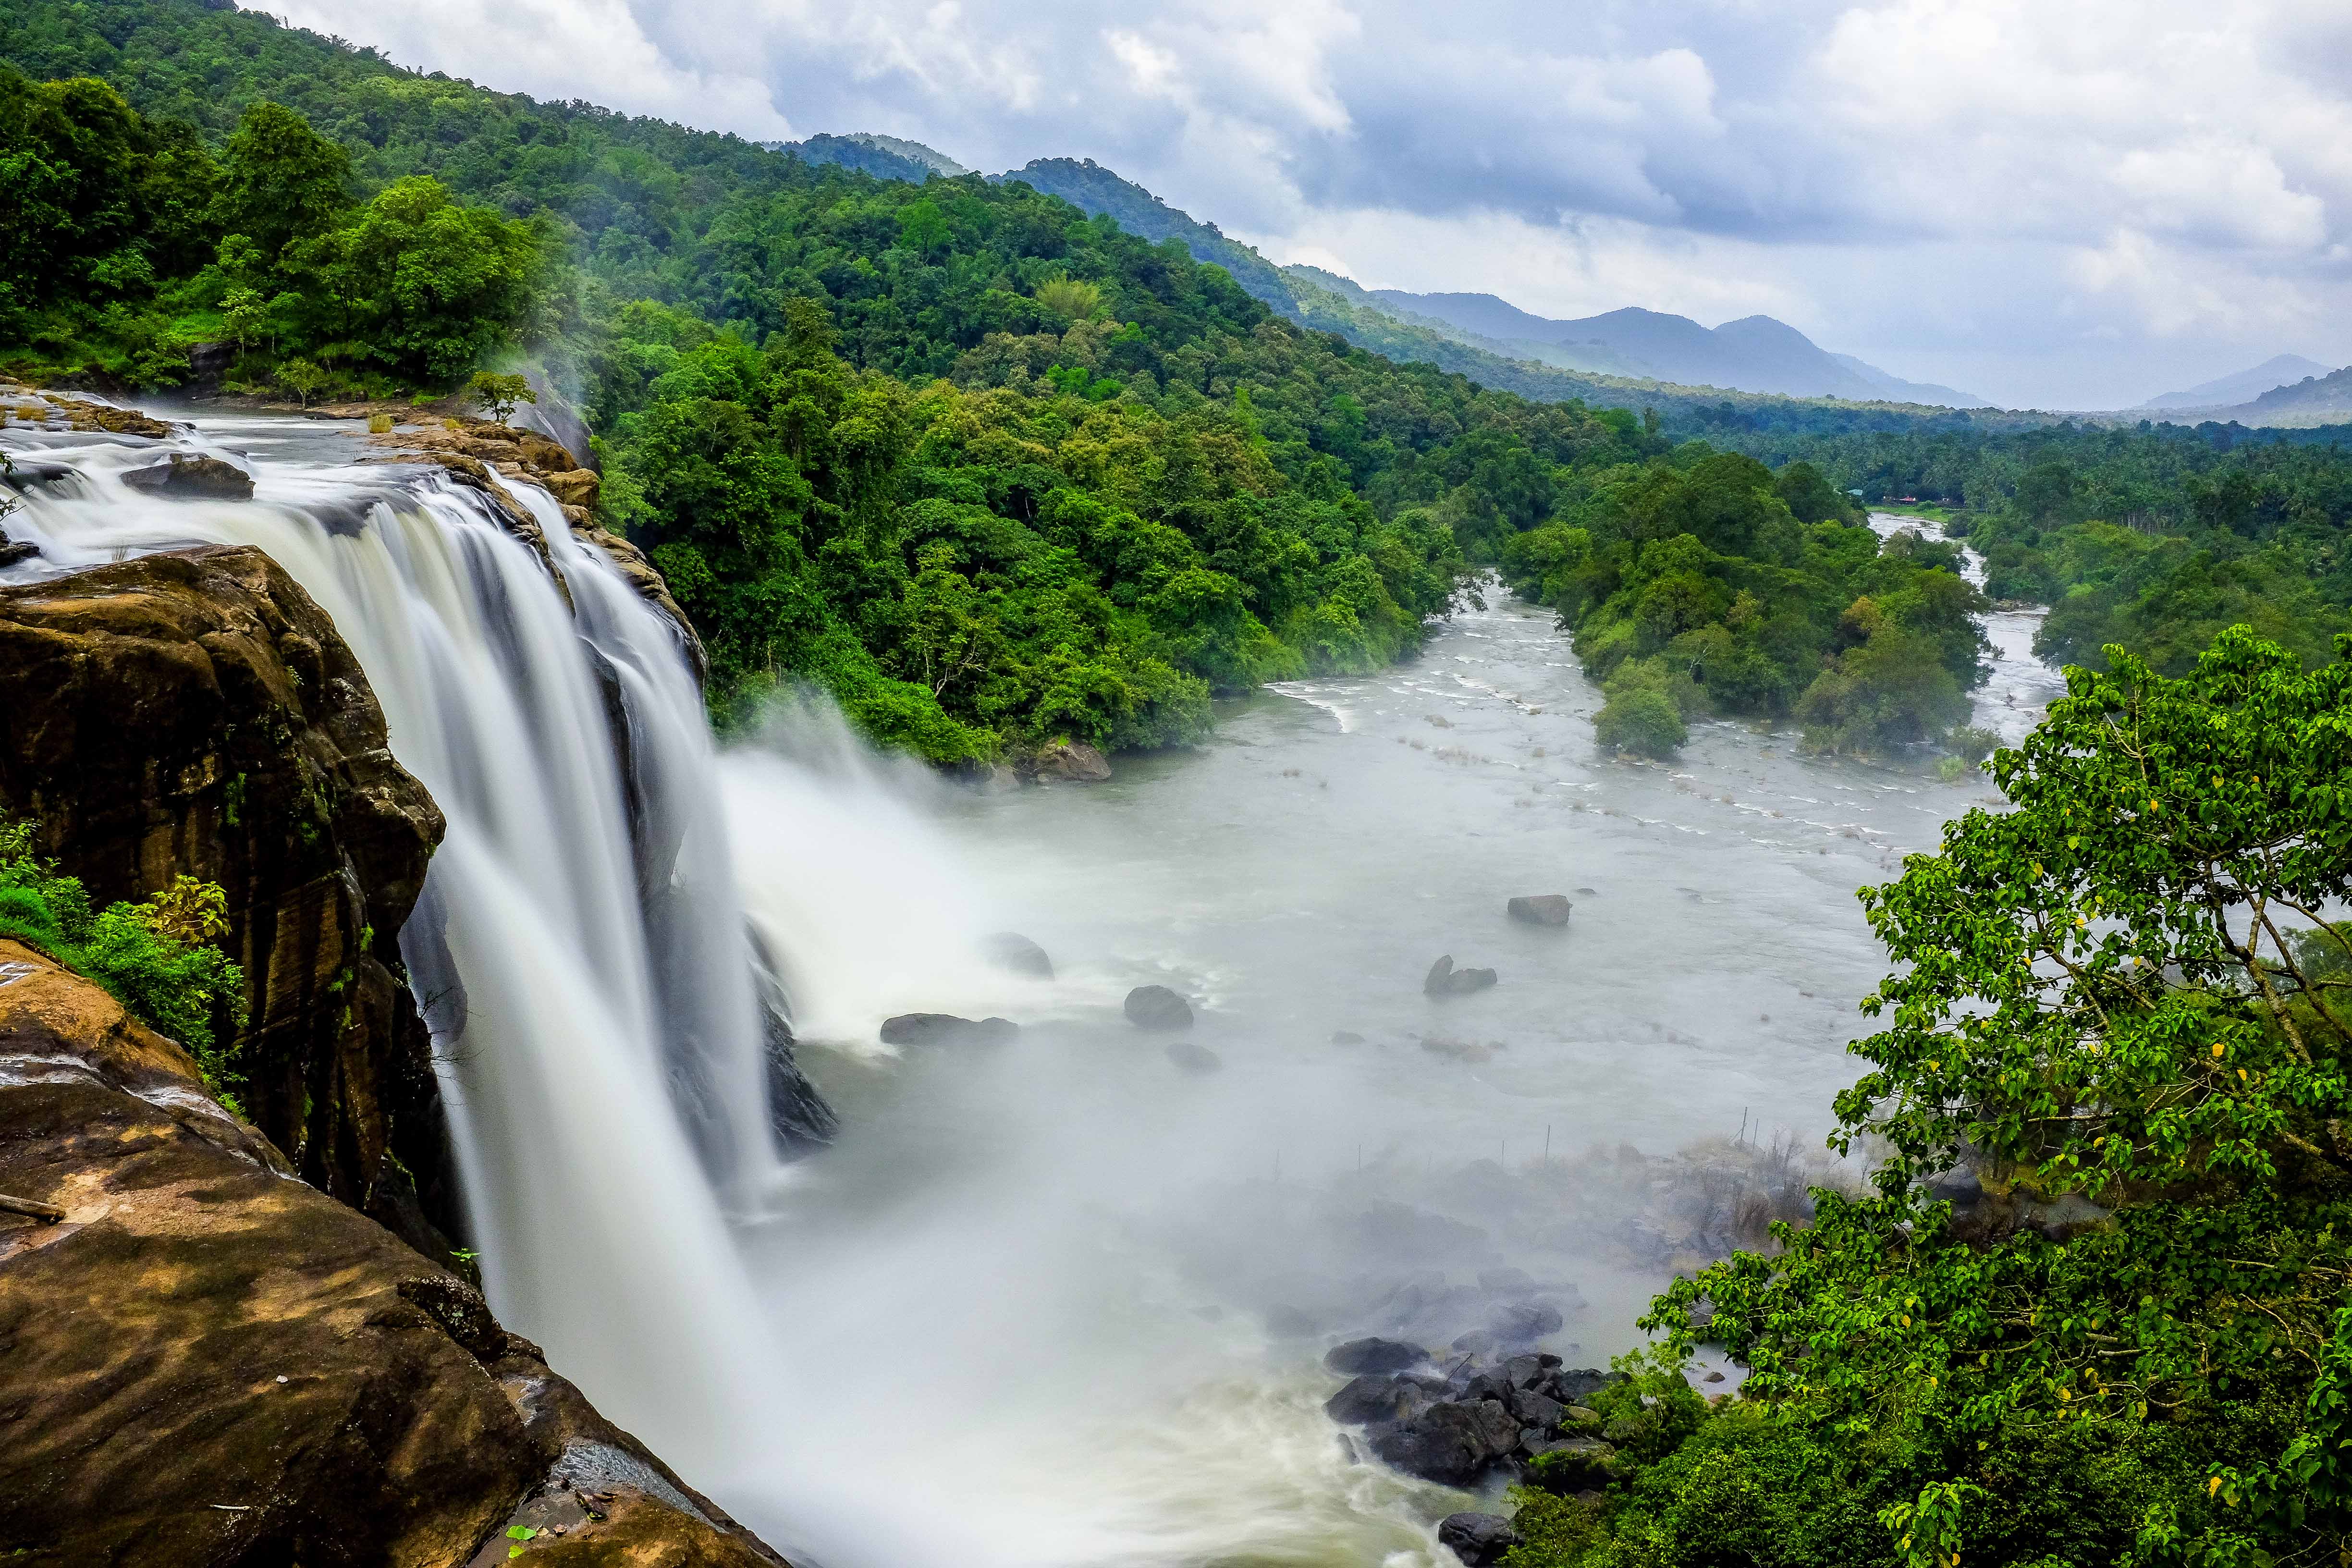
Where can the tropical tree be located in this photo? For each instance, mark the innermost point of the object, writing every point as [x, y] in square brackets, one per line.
[2122, 1013]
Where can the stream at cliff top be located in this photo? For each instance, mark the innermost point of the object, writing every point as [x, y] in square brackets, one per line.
[1063, 1300]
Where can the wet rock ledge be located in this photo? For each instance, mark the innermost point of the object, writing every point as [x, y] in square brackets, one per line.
[208, 1360]
[217, 1355]
[194, 712]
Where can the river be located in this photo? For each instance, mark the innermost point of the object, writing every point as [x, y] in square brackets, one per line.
[1062, 1301]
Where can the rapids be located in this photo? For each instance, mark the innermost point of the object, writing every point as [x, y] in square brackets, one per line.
[1062, 1301]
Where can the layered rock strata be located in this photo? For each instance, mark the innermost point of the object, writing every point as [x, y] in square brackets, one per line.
[194, 712]
[208, 1361]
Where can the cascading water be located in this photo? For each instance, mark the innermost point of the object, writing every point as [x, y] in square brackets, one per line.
[580, 950]
[1060, 1304]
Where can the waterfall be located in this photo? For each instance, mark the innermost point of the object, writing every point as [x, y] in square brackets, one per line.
[580, 949]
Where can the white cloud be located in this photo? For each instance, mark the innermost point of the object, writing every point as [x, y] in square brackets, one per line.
[2056, 204]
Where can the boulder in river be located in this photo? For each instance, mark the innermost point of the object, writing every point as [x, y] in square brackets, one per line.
[1011, 949]
[1478, 1539]
[947, 1029]
[1540, 910]
[14, 550]
[1523, 1322]
[1374, 1399]
[192, 476]
[1450, 1443]
[1444, 980]
[1070, 762]
[1157, 1007]
[1373, 1354]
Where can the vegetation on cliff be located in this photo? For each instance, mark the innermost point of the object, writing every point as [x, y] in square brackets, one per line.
[155, 957]
[129, 242]
[2120, 1008]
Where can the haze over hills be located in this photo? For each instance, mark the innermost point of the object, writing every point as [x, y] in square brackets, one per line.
[1493, 339]
[885, 157]
[1755, 353]
[2278, 372]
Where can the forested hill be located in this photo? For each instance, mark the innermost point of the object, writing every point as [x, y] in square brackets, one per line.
[1327, 302]
[994, 473]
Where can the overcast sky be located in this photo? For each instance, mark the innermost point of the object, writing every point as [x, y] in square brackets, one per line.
[2073, 205]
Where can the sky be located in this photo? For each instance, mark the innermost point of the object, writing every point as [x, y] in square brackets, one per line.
[2072, 205]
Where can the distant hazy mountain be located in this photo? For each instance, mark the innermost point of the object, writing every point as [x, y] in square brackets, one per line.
[1755, 353]
[2314, 400]
[2243, 387]
[1091, 188]
[1902, 391]
[1488, 339]
[885, 157]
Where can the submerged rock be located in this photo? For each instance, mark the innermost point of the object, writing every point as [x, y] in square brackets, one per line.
[1373, 1398]
[1444, 980]
[1194, 1057]
[1373, 1354]
[1478, 1539]
[1523, 1322]
[1157, 1007]
[1011, 949]
[799, 1120]
[947, 1029]
[1542, 909]
[192, 476]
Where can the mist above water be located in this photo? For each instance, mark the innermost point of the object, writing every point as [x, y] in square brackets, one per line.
[1063, 1300]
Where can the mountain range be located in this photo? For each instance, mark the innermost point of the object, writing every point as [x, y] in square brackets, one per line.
[1755, 353]
[1601, 358]
[2277, 373]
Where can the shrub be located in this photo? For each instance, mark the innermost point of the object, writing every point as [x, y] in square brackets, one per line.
[497, 395]
[1642, 714]
[154, 957]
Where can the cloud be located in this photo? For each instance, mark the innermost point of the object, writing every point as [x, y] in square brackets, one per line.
[2073, 198]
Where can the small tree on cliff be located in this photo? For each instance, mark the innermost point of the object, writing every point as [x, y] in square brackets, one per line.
[497, 395]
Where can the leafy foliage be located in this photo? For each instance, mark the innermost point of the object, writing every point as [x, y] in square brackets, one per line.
[138, 244]
[2154, 538]
[2124, 989]
[1707, 578]
[154, 957]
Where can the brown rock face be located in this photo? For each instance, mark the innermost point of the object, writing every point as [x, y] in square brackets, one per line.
[207, 1362]
[195, 712]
